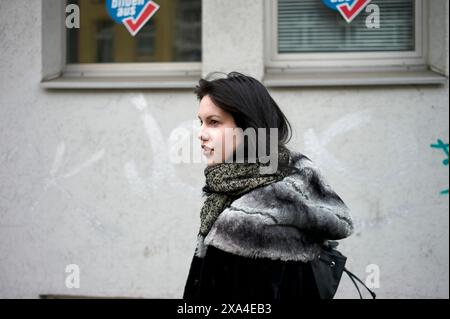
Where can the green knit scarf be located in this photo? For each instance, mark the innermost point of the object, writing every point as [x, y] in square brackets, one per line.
[226, 182]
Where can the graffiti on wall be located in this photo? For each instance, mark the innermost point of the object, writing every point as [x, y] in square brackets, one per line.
[440, 145]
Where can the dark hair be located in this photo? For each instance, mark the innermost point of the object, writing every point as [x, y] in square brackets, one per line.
[248, 101]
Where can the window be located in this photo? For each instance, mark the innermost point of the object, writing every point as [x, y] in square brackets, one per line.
[308, 26]
[308, 43]
[173, 34]
[101, 53]
[104, 36]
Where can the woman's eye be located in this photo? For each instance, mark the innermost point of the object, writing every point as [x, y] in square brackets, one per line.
[211, 122]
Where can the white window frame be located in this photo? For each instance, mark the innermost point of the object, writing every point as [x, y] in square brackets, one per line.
[352, 68]
[58, 74]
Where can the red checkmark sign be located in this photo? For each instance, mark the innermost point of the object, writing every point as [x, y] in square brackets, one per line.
[351, 12]
[134, 25]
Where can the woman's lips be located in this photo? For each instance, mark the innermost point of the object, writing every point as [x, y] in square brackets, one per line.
[207, 150]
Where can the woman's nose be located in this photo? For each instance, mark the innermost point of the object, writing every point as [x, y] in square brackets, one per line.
[203, 134]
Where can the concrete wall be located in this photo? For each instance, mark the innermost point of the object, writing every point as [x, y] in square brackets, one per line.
[85, 176]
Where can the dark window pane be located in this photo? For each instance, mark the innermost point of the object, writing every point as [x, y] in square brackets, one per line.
[173, 34]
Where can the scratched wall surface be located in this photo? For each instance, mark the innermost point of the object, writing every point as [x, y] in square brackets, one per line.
[85, 176]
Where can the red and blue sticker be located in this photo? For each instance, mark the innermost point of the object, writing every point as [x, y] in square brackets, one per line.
[349, 9]
[134, 14]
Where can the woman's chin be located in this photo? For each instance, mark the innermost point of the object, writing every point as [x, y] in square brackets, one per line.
[210, 160]
[213, 159]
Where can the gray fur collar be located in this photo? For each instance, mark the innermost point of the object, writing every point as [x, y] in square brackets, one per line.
[287, 220]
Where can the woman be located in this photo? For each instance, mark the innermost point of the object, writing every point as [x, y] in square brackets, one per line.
[259, 231]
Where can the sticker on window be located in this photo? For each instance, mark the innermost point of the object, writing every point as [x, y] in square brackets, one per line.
[133, 14]
[349, 9]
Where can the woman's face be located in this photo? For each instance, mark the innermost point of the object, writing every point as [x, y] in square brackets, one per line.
[213, 136]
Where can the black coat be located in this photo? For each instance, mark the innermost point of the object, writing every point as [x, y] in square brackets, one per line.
[224, 276]
[262, 245]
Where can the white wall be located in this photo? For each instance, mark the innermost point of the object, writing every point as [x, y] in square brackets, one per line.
[85, 176]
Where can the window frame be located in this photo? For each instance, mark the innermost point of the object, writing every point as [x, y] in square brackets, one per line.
[363, 61]
[111, 70]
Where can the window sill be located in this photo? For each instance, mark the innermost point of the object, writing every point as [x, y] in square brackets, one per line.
[123, 82]
[352, 78]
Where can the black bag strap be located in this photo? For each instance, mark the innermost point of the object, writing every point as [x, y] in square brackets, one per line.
[353, 277]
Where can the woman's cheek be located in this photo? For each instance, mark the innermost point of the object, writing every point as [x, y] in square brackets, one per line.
[215, 143]
[231, 139]
[215, 138]
[224, 142]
